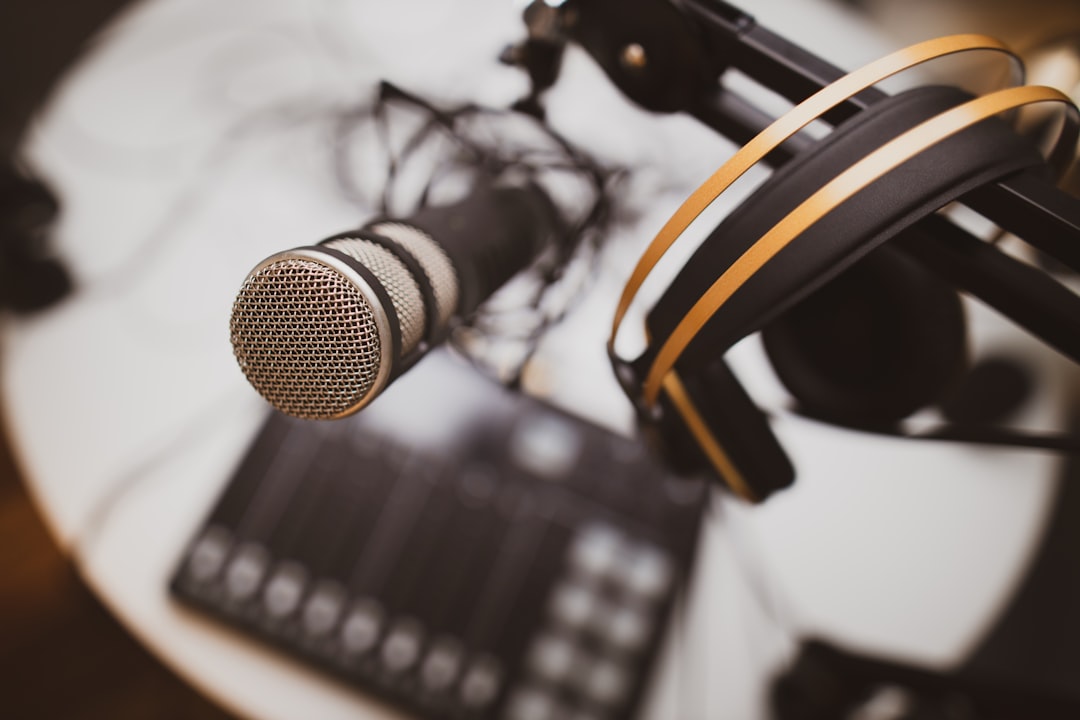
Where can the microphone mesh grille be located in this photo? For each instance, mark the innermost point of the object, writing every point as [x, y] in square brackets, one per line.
[434, 261]
[306, 338]
[396, 279]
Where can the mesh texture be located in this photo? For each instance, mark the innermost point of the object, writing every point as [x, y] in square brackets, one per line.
[433, 259]
[396, 279]
[306, 338]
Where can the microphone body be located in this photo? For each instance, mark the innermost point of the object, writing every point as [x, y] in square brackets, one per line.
[321, 330]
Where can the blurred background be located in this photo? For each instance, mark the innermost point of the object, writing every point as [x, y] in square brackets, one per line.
[63, 655]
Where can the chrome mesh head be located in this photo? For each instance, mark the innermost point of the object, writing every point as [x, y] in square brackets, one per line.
[398, 282]
[432, 258]
[307, 337]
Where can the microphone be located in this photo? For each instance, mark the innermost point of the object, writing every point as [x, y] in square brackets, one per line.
[321, 330]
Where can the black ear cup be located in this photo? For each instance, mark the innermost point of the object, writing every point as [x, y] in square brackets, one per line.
[737, 428]
[879, 342]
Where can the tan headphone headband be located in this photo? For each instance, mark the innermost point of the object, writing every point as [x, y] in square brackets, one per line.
[784, 128]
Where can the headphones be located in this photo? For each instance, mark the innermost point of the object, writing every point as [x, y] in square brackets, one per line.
[839, 260]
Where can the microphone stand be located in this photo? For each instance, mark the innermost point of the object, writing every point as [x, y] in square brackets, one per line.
[671, 57]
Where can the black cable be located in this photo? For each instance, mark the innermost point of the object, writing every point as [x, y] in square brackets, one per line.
[481, 146]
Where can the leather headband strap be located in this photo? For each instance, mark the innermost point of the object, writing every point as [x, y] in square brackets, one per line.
[872, 167]
[785, 127]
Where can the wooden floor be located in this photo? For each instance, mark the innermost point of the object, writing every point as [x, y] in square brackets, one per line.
[61, 654]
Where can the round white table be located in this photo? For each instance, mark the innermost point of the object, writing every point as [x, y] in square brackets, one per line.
[195, 142]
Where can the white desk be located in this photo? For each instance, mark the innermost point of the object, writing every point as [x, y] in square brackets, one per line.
[196, 143]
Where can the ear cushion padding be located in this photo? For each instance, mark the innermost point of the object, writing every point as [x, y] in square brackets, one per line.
[991, 391]
[877, 343]
[916, 188]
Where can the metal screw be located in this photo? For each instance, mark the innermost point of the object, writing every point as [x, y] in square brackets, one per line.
[633, 57]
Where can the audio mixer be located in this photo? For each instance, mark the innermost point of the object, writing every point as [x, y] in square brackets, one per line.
[491, 557]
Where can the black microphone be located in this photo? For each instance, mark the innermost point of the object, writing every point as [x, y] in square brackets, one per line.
[320, 331]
